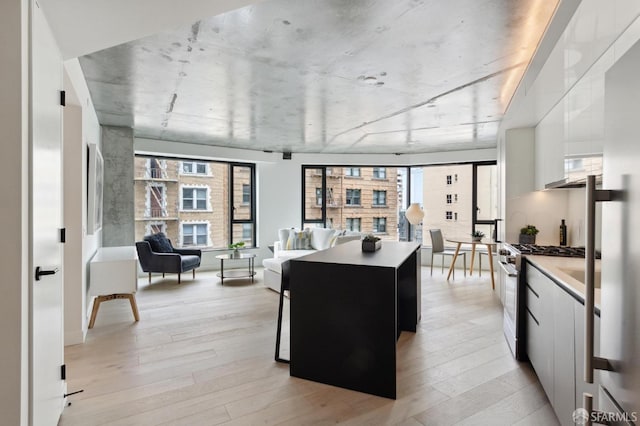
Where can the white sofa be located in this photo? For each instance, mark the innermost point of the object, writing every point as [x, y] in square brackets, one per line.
[320, 239]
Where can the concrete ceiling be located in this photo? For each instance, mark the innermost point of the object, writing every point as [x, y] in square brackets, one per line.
[333, 76]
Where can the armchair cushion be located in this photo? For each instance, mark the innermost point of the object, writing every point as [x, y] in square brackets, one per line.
[189, 262]
[159, 243]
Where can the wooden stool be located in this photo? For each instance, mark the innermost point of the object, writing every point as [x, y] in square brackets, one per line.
[99, 299]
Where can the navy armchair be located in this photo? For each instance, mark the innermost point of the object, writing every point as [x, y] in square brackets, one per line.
[156, 254]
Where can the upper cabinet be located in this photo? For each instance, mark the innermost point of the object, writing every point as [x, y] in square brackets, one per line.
[569, 91]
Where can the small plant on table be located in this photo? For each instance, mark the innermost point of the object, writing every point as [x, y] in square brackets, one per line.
[236, 246]
[477, 235]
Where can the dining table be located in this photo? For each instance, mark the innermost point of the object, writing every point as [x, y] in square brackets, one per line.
[472, 242]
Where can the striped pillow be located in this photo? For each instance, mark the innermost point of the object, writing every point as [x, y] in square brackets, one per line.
[299, 240]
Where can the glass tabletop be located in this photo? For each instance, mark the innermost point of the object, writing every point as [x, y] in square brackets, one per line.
[229, 256]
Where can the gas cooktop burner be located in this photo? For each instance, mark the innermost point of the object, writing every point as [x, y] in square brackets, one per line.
[551, 250]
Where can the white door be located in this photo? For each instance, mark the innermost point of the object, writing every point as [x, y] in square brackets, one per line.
[46, 349]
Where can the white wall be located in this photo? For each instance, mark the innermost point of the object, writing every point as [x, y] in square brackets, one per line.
[80, 247]
[14, 213]
[279, 203]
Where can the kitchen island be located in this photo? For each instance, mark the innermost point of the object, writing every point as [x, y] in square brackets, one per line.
[348, 309]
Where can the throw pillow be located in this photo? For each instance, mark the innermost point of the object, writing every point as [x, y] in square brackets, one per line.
[299, 240]
[283, 237]
[159, 243]
[321, 238]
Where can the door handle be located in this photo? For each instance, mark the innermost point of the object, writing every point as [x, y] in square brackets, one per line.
[40, 272]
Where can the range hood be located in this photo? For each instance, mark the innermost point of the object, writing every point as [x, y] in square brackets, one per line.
[576, 170]
[567, 183]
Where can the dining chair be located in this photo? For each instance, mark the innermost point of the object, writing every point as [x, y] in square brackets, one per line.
[437, 247]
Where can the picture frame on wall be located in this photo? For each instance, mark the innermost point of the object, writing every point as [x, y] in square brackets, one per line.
[95, 185]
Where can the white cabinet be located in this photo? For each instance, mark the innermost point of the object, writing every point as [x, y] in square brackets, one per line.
[564, 379]
[113, 274]
[555, 342]
[540, 327]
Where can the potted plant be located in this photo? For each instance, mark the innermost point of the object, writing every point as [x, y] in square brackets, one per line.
[371, 243]
[477, 235]
[528, 234]
[236, 246]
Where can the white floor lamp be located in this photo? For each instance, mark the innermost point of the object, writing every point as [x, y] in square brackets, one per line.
[414, 215]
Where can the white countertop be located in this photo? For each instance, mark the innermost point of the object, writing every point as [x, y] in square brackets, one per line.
[556, 267]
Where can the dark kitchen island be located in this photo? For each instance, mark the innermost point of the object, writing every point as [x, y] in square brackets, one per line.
[347, 311]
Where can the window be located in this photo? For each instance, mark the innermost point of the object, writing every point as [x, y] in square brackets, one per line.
[379, 198]
[194, 198]
[379, 173]
[194, 234]
[193, 168]
[247, 229]
[353, 224]
[379, 224]
[218, 195]
[457, 198]
[246, 193]
[331, 199]
[156, 168]
[352, 171]
[353, 197]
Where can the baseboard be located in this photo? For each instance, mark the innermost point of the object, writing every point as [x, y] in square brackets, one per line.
[75, 337]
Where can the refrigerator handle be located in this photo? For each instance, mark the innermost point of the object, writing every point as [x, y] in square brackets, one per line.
[593, 195]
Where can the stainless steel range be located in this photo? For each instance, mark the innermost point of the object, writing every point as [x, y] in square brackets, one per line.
[512, 282]
[511, 265]
[561, 251]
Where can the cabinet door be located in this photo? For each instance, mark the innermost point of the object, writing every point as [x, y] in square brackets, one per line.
[563, 356]
[540, 327]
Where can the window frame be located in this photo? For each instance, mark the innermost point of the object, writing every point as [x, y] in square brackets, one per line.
[194, 164]
[375, 199]
[351, 173]
[474, 188]
[376, 228]
[195, 188]
[346, 197]
[351, 221]
[226, 202]
[232, 209]
[377, 170]
[195, 224]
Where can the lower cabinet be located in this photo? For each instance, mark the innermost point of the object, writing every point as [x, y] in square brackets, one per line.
[555, 342]
[564, 378]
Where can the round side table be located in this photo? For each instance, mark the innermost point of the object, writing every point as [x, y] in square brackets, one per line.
[236, 273]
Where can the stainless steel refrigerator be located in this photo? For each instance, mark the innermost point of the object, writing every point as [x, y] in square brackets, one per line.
[619, 357]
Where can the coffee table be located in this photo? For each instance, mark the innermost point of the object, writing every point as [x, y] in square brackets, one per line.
[236, 273]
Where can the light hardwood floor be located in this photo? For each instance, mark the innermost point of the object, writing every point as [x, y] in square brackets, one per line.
[202, 354]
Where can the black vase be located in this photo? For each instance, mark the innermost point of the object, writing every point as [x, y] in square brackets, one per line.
[371, 246]
[527, 239]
